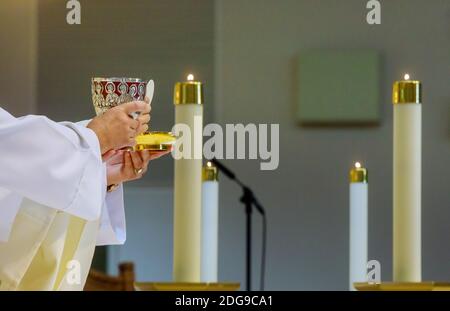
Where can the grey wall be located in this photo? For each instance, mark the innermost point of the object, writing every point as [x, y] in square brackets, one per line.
[18, 58]
[307, 197]
[149, 243]
[162, 40]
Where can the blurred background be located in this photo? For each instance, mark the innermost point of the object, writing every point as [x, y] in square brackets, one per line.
[246, 53]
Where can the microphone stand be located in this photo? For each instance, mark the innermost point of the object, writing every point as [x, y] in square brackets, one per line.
[249, 200]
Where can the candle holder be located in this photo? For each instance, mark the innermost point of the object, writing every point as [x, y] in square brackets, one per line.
[108, 93]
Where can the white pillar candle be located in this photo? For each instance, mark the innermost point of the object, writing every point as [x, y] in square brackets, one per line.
[188, 99]
[210, 225]
[358, 224]
[407, 180]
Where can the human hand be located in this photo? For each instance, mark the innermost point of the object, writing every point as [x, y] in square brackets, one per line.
[144, 117]
[115, 128]
[123, 166]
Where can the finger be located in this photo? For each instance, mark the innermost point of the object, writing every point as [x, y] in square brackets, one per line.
[145, 169]
[146, 155]
[157, 154]
[131, 142]
[145, 118]
[148, 107]
[142, 129]
[137, 160]
[108, 155]
[127, 169]
[131, 135]
[147, 100]
[134, 124]
[135, 106]
[117, 158]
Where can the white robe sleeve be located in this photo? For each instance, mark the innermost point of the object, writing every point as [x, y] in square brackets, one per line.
[9, 206]
[112, 229]
[55, 164]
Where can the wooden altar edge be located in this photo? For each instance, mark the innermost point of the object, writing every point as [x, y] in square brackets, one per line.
[162, 286]
[403, 286]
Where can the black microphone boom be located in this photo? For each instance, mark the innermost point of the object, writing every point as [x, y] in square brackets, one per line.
[224, 170]
[232, 176]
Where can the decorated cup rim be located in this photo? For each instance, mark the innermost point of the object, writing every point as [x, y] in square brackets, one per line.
[117, 79]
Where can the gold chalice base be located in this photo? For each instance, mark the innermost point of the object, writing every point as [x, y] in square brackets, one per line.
[155, 141]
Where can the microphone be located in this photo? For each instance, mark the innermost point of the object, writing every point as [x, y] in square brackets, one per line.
[249, 199]
[247, 190]
[224, 170]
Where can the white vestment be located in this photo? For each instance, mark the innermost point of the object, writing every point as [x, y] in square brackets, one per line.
[54, 207]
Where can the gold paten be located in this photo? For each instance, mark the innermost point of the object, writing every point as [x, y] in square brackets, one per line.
[155, 141]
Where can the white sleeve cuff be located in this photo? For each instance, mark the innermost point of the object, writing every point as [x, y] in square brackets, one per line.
[88, 135]
[112, 229]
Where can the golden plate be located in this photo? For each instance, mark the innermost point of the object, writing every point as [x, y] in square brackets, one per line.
[162, 286]
[405, 286]
[155, 141]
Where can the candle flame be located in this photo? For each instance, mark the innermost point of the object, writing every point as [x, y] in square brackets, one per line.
[407, 77]
[209, 164]
[358, 165]
[190, 77]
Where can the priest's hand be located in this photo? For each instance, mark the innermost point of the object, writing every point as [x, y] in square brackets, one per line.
[116, 128]
[144, 116]
[123, 166]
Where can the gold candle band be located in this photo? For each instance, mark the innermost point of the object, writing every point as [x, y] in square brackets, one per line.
[189, 92]
[359, 175]
[209, 173]
[407, 92]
